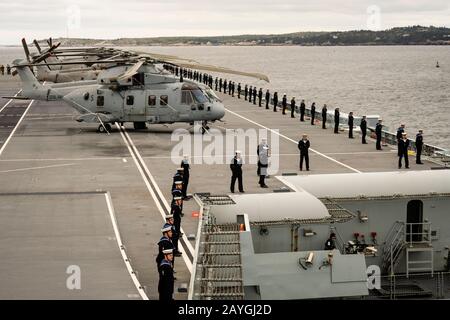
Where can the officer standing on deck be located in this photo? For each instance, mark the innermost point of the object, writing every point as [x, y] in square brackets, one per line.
[250, 94]
[302, 110]
[254, 95]
[185, 165]
[313, 113]
[225, 86]
[303, 146]
[267, 98]
[292, 107]
[350, 125]
[230, 87]
[336, 120]
[275, 101]
[2, 69]
[216, 82]
[324, 116]
[378, 130]
[400, 131]
[220, 85]
[284, 103]
[177, 191]
[8, 69]
[263, 162]
[419, 145]
[239, 88]
[166, 278]
[403, 145]
[363, 127]
[236, 170]
[260, 96]
[175, 234]
[246, 92]
[329, 244]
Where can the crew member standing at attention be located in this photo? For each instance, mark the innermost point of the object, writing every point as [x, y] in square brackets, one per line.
[302, 110]
[324, 116]
[303, 146]
[177, 191]
[336, 120]
[263, 162]
[175, 234]
[239, 88]
[419, 145]
[363, 127]
[313, 113]
[8, 69]
[225, 83]
[292, 107]
[216, 83]
[267, 98]
[275, 101]
[185, 165]
[250, 94]
[404, 145]
[350, 125]
[236, 170]
[177, 212]
[329, 244]
[164, 243]
[400, 131]
[378, 130]
[255, 92]
[220, 85]
[284, 103]
[260, 96]
[230, 87]
[246, 92]
[2, 69]
[166, 278]
[178, 177]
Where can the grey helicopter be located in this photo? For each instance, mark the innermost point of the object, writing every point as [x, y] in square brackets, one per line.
[141, 93]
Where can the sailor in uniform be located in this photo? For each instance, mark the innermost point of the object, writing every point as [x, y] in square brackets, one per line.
[350, 125]
[239, 88]
[186, 167]
[292, 107]
[263, 162]
[330, 243]
[419, 146]
[166, 278]
[275, 101]
[164, 243]
[254, 95]
[178, 176]
[267, 98]
[403, 151]
[177, 212]
[400, 132]
[284, 103]
[324, 116]
[303, 146]
[250, 94]
[378, 130]
[313, 113]
[175, 234]
[246, 92]
[336, 120]
[302, 111]
[236, 170]
[260, 96]
[363, 126]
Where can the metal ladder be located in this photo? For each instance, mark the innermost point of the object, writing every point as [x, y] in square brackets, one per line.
[393, 247]
[340, 244]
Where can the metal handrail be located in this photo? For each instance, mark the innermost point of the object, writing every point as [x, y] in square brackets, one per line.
[425, 234]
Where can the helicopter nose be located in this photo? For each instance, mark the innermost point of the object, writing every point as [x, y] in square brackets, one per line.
[218, 111]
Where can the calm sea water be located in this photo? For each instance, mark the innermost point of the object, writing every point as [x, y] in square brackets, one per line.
[399, 83]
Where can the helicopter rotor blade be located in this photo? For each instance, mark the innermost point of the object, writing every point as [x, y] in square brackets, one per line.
[38, 47]
[25, 48]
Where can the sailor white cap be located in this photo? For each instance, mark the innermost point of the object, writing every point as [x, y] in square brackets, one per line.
[177, 198]
[238, 151]
[180, 169]
[169, 216]
[178, 182]
[166, 228]
[168, 251]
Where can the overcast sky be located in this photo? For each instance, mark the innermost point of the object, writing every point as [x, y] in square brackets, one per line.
[109, 19]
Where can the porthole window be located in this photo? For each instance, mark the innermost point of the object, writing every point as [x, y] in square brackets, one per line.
[86, 96]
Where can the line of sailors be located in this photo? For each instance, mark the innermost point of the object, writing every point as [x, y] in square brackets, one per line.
[252, 94]
[2, 69]
[168, 247]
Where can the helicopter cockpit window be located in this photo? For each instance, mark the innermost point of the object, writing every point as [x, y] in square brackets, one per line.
[163, 100]
[196, 93]
[130, 100]
[152, 100]
[186, 97]
[100, 101]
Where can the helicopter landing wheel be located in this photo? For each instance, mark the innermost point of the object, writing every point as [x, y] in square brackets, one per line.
[101, 128]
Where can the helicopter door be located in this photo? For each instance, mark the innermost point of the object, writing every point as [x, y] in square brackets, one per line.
[163, 110]
[134, 106]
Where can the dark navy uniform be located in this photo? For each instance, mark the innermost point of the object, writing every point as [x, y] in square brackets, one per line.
[166, 281]
[350, 126]
[216, 83]
[403, 146]
[303, 146]
[220, 85]
[284, 104]
[225, 86]
[324, 116]
[239, 88]
[177, 177]
[275, 101]
[336, 120]
[378, 130]
[254, 95]
[177, 212]
[260, 96]
[246, 92]
[313, 113]
[236, 170]
[363, 127]
[302, 111]
[267, 99]
[185, 165]
[419, 145]
[400, 132]
[250, 94]
[164, 243]
[292, 107]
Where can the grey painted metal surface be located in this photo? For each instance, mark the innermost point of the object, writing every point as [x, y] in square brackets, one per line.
[372, 184]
